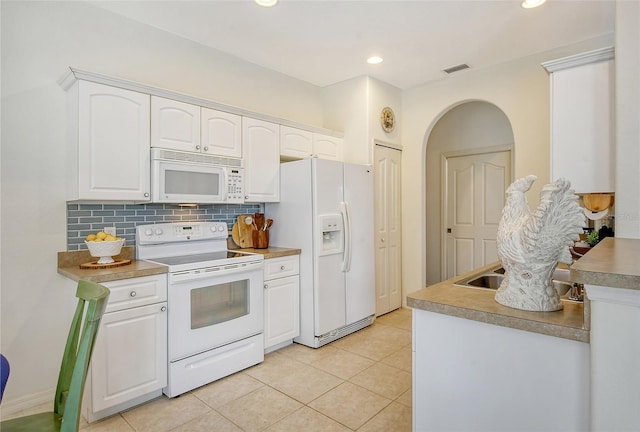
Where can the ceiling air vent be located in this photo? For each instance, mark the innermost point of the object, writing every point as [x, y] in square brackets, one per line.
[456, 68]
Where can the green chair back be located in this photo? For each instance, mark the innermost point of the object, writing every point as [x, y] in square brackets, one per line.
[92, 301]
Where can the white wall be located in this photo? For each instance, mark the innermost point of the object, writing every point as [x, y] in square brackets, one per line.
[345, 111]
[627, 119]
[40, 40]
[382, 95]
[354, 106]
[521, 90]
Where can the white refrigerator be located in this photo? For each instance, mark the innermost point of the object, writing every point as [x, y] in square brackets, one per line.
[326, 210]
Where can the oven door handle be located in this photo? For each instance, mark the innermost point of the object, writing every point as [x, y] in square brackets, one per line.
[211, 272]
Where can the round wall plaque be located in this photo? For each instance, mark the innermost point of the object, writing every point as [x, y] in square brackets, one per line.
[387, 119]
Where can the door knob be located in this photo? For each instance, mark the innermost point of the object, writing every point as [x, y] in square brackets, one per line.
[449, 230]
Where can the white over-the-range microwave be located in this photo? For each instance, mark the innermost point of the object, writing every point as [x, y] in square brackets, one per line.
[183, 177]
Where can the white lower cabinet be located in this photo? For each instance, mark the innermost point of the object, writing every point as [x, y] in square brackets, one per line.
[281, 301]
[129, 361]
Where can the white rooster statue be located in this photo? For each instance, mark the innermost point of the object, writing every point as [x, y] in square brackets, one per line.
[530, 245]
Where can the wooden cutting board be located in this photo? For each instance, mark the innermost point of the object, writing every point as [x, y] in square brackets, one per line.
[235, 234]
[245, 231]
[93, 265]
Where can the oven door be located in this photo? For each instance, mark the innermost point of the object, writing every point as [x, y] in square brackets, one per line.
[209, 308]
[175, 182]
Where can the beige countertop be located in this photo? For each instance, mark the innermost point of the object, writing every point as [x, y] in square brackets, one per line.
[273, 252]
[69, 264]
[614, 262]
[479, 305]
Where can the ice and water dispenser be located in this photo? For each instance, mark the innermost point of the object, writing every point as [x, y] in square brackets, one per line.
[331, 229]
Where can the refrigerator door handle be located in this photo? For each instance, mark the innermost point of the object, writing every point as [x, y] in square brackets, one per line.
[346, 219]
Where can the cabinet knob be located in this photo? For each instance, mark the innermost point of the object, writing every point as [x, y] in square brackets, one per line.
[132, 294]
[146, 194]
[266, 286]
[282, 267]
[163, 308]
[206, 149]
[197, 147]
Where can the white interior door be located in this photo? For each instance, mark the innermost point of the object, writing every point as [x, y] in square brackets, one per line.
[388, 229]
[474, 189]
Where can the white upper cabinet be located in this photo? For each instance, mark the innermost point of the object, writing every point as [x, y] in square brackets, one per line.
[175, 125]
[582, 120]
[261, 150]
[221, 133]
[109, 129]
[295, 143]
[299, 144]
[327, 147]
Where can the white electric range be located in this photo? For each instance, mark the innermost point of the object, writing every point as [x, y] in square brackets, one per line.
[215, 295]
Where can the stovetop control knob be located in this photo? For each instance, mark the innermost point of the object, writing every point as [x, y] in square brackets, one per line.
[158, 231]
[221, 228]
[148, 232]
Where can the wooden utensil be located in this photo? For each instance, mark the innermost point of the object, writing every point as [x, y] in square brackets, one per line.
[597, 201]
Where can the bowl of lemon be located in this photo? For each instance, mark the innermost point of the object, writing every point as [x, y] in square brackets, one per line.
[104, 246]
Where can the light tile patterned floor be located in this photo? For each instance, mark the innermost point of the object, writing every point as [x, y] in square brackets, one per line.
[361, 382]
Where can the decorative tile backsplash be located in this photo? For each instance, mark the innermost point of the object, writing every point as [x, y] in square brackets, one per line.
[84, 219]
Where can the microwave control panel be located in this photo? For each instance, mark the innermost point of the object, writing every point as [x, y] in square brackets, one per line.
[235, 185]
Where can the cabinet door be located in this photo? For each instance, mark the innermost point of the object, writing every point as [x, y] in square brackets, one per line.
[130, 355]
[175, 125]
[261, 150]
[582, 127]
[221, 133]
[295, 143]
[113, 144]
[281, 310]
[327, 147]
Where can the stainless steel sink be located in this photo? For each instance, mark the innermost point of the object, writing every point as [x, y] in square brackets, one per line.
[494, 278]
[490, 281]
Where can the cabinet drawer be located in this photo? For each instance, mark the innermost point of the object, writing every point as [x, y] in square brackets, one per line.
[281, 267]
[134, 292]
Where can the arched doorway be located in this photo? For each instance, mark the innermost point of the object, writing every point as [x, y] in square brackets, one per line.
[467, 129]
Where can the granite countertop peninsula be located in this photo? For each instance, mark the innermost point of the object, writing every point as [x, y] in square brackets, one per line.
[611, 263]
[478, 304]
[69, 266]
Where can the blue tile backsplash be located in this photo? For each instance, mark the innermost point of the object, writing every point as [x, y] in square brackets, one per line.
[84, 219]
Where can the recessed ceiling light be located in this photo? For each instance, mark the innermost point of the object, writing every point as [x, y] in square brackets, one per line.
[528, 4]
[267, 3]
[374, 60]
